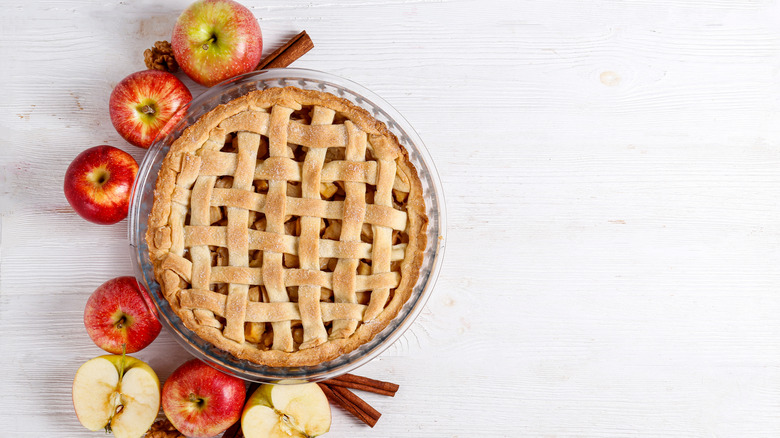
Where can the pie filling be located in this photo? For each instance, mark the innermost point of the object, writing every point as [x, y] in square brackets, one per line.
[288, 227]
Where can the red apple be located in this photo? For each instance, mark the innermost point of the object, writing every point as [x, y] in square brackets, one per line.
[200, 401]
[99, 182]
[214, 40]
[145, 105]
[117, 313]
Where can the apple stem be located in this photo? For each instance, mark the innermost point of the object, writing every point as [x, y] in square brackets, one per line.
[147, 109]
[208, 43]
[197, 400]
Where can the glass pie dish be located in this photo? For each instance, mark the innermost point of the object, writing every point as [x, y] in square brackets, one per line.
[142, 200]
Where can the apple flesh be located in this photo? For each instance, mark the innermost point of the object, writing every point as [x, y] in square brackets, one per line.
[99, 182]
[117, 313]
[201, 401]
[288, 410]
[145, 105]
[214, 40]
[116, 393]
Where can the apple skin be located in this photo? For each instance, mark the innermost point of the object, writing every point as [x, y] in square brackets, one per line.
[99, 182]
[214, 40]
[201, 401]
[118, 313]
[145, 105]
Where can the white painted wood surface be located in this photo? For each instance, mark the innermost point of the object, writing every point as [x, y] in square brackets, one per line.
[612, 173]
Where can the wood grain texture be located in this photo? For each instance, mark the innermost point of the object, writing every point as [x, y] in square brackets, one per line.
[611, 170]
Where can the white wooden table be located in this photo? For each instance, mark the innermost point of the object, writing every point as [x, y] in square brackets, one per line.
[612, 175]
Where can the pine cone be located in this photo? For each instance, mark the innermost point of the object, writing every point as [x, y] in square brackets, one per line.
[163, 429]
[160, 57]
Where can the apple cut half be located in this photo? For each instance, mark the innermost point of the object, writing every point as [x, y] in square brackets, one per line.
[283, 411]
[118, 393]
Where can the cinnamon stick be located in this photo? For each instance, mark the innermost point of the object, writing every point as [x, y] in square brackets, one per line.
[288, 53]
[357, 401]
[364, 384]
[351, 403]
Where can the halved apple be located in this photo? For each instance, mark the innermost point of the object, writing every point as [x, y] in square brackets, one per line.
[116, 393]
[286, 410]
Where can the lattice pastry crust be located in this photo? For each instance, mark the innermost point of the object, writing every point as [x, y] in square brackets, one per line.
[288, 227]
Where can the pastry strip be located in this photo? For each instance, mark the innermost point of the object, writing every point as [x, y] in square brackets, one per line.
[314, 332]
[238, 235]
[275, 211]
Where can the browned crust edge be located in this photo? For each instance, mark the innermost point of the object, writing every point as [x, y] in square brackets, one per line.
[411, 265]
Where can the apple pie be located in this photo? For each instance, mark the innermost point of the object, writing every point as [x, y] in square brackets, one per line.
[288, 227]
